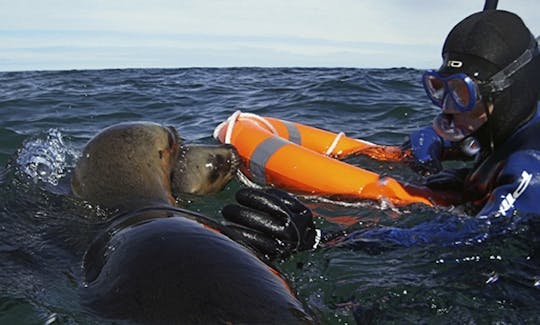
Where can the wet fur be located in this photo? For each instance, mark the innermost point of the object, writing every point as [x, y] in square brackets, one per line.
[204, 169]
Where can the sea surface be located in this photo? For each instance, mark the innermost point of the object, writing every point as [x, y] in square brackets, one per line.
[46, 117]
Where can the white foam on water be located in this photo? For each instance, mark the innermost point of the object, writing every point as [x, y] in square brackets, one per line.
[45, 159]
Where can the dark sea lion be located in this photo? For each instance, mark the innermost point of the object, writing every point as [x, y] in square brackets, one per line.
[204, 169]
[156, 263]
[126, 163]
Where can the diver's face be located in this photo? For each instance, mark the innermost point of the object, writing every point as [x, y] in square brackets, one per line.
[472, 120]
[454, 126]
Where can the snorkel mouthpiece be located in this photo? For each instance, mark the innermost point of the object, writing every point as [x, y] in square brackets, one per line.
[444, 126]
[470, 146]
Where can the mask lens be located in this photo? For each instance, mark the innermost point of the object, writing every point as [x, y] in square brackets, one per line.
[460, 92]
[435, 87]
[457, 88]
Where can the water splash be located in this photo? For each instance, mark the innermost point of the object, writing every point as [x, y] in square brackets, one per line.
[45, 159]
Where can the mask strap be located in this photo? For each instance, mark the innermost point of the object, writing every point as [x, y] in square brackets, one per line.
[501, 80]
[487, 103]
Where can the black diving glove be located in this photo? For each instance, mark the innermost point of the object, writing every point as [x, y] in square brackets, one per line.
[271, 222]
[448, 179]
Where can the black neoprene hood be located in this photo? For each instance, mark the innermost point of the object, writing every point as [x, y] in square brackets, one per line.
[484, 43]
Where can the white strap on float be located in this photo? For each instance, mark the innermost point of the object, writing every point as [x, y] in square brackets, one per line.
[334, 144]
[244, 179]
[230, 127]
[231, 122]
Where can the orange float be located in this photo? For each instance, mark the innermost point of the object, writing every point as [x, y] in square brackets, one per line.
[304, 159]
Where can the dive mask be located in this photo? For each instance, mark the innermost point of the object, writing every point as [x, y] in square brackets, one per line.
[459, 93]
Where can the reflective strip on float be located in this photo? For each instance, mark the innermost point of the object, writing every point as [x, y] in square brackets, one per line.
[269, 158]
[261, 155]
[294, 133]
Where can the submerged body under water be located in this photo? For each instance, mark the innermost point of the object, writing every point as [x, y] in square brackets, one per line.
[47, 117]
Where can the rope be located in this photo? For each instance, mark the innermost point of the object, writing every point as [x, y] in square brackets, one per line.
[231, 122]
[246, 181]
[334, 143]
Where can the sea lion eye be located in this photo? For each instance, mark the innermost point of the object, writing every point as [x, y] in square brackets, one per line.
[219, 161]
[215, 163]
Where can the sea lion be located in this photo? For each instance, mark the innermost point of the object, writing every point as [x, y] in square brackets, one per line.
[126, 163]
[204, 169]
[197, 169]
[156, 263]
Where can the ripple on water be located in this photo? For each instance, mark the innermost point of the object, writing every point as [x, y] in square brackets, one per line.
[46, 159]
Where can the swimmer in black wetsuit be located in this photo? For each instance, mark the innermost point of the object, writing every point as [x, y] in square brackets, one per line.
[488, 90]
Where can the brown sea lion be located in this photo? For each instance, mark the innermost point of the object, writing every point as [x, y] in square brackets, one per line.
[203, 169]
[126, 163]
[156, 263]
[196, 169]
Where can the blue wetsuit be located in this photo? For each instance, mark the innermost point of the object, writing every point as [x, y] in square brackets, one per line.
[503, 190]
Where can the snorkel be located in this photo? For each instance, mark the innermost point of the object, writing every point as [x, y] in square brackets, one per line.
[490, 4]
[472, 142]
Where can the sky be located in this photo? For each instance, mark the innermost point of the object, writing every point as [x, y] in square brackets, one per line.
[98, 34]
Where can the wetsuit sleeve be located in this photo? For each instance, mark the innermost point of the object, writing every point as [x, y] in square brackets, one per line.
[513, 200]
[517, 187]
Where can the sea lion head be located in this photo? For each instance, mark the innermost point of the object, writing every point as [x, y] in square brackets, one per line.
[126, 165]
[204, 169]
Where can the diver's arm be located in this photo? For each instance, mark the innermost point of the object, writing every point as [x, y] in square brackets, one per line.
[513, 201]
[517, 188]
[273, 231]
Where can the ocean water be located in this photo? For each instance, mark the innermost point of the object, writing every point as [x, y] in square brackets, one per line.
[47, 117]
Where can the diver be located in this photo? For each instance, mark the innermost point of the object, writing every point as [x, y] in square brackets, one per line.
[487, 89]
